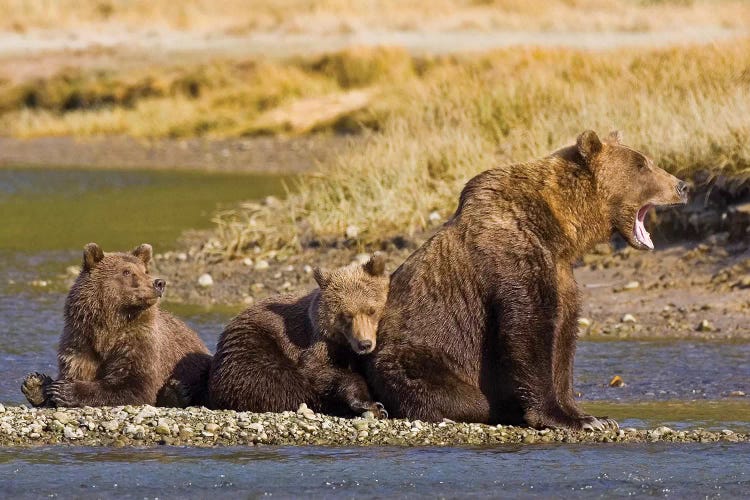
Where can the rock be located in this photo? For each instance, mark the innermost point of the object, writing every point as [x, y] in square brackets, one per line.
[352, 232]
[71, 433]
[661, 431]
[262, 265]
[72, 270]
[705, 326]
[361, 425]
[631, 285]
[2, 409]
[628, 318]
[62, 417]
[362, 258]
[212, 427]
[434, 216]
[737, 394]
[727, 432]
[603, 249]
[248, 300]
[205, 280]
[110, 425]
[247, 261]
[307, 269]
[584, 323]
[181, 256]
[617, 381]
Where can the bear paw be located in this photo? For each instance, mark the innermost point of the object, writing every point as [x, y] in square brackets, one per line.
[174, 394]
[61, 393]
[34, 387]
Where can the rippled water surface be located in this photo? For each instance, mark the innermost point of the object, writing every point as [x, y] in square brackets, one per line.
[687, 471]
[49, 215]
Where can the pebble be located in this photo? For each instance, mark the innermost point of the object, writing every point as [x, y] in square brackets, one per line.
[247, 261]
[262, 265]
[734, 394]
[307, 269]
[631, 285]
[362, 258]
[434, 216]
[705, 326]
[205, 280]
[181, 256]
[584, 323]
[628, 318]
[351, 232]
[62, 417]
[202, 427]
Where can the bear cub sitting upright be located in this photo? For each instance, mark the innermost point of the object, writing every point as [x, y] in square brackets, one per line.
[118, 347]
[287, 350]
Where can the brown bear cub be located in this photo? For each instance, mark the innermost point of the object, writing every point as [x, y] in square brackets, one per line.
[287, 350]
[481, 321]
[118, 347]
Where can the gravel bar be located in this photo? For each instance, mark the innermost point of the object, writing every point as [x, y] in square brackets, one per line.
[149, 426]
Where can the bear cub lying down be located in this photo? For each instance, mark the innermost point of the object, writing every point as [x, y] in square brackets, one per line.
[287, 350]
[117, 346]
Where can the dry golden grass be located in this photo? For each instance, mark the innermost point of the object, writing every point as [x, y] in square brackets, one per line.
[686, 107]
[220, 99]
[326, 16]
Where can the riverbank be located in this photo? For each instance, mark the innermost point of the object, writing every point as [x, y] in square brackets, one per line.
[149, 426]
[280, 155]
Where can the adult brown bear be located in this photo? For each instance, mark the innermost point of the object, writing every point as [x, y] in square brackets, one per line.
[481, 321]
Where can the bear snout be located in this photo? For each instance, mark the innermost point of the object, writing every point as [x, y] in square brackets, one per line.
[159, 286]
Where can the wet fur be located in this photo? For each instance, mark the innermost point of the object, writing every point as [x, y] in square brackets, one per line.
[118, 347]
[287, 350]
[481, 321]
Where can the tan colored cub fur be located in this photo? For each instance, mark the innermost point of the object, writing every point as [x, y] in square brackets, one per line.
[118, 347]
[288, 350]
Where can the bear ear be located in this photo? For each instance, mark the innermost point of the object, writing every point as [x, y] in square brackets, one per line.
[321, 277]
[588, 144]
[376, 265]
[144, 252]
[614, 137]
[92, 255]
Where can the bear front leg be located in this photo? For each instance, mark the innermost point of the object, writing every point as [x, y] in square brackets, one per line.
[565, 346]
[349, 392]
[529, 324]
[125, 381]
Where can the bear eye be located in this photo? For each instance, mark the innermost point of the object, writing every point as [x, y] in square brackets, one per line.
[126, 272]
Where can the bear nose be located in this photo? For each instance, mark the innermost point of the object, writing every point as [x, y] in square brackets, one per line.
[159, 286]
[682, 189]
[364, 345]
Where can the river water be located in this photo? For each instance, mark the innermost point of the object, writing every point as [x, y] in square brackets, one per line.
[48, 215]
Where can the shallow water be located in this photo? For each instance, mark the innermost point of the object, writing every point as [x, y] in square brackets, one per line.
[722, 470]
[49, 215]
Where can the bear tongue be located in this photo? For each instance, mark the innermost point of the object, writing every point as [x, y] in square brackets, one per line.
[640, 229]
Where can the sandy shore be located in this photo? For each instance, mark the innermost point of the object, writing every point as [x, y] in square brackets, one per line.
[148, 426]
[282, 155]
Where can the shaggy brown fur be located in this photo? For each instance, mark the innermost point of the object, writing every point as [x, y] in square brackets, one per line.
[288, 350]
[117, 346]
[481, 321]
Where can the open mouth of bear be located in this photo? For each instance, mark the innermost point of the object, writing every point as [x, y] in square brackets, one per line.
[639, 229]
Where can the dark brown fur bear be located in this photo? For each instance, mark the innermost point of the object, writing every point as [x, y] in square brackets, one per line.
[481, 321]
[288, 350]
[118, 347]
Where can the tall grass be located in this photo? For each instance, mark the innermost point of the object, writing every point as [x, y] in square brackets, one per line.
[687, 107]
